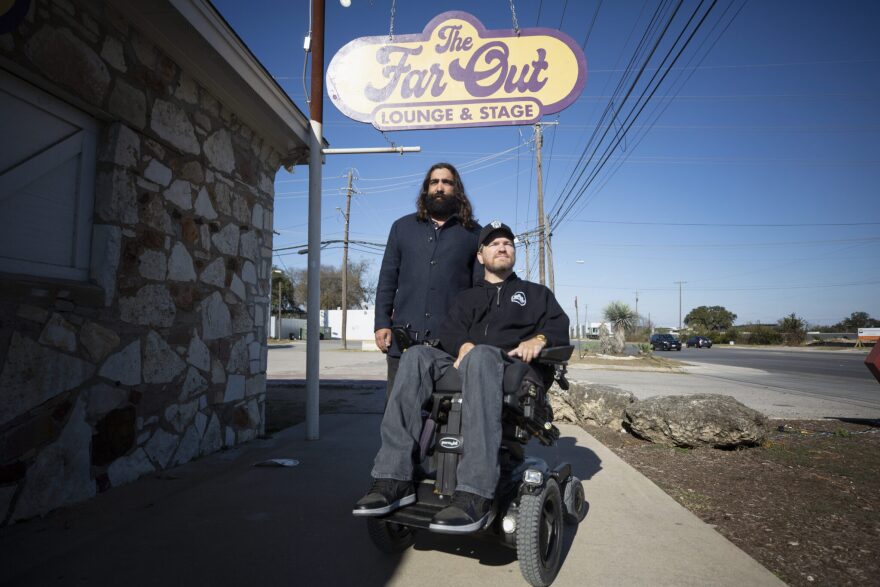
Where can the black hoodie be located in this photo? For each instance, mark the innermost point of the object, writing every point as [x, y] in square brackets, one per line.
[503, 315]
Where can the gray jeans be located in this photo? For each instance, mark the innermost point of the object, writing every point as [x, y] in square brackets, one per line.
[482, 375]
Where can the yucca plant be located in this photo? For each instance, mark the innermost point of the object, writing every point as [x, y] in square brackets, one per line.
[622, 318]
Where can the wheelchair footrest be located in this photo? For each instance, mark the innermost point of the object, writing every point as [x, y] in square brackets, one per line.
[417, 515]
[420, 513]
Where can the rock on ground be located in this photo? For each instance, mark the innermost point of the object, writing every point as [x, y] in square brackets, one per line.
[603, 405]
[696, 420]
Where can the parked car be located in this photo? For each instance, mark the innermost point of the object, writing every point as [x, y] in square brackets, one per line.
[701, 342]
[665, 342]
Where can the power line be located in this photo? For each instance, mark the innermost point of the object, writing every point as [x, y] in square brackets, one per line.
[729, 289]
[758, 65]
[590, 28]
[634, 114]
[741, 244]
[733, 224]
[565, 204]
[610, 107]
[677, 86]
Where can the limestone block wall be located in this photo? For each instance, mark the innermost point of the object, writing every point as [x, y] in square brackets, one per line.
[161, 356]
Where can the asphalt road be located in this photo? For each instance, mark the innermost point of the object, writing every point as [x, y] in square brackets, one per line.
[827, 363]
[837, 375]
[780, 384]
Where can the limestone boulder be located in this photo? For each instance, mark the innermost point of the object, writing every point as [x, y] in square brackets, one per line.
[601, 405]
[562, 410]
[712, 420]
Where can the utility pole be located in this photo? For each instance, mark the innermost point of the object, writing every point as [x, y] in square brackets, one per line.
[345, 265]
[528, 268]
[539, 140]
[679, 303]
[279, 310]
[577, 318]
[637, 309]
[543, 225]
[550, 255]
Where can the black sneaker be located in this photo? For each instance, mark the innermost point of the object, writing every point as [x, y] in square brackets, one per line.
[466, 513]
[385, 496]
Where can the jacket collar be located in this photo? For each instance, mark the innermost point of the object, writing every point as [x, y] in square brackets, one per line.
[451, 220]
[484, 283]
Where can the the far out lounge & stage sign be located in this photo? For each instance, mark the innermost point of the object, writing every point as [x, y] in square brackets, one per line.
[456, 74]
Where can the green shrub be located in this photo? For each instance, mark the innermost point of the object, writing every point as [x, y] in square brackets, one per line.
[732, 334]
[764, 335]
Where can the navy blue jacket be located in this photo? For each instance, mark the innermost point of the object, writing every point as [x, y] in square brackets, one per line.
[503, 315]
[422, 272]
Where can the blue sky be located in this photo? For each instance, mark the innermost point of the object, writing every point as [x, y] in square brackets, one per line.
[752, 174]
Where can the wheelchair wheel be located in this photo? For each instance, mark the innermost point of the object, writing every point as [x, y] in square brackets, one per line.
[539, 535]
[388, 537]
[574, 501]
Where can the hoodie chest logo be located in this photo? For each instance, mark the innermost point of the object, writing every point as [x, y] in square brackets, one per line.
[518, 298]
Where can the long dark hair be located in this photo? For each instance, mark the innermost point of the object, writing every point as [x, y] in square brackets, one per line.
[465, 210]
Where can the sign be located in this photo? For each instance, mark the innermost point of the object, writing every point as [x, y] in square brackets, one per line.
[456, 74]
[869, 334]
[872, 362]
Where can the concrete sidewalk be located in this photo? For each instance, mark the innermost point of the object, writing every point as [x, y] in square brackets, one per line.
[222, 521]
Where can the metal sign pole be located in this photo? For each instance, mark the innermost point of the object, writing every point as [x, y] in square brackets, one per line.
[313, 307]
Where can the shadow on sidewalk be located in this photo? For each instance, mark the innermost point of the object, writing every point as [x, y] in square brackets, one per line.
[286, 400]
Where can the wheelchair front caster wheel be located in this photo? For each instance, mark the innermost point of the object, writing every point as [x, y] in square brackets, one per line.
[574, 501]
[389, 537]
[539, 534]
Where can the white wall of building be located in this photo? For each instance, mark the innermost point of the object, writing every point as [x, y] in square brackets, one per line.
[360, 325]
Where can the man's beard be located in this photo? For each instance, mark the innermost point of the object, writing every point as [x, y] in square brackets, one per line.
[500, 264]
[441, 207]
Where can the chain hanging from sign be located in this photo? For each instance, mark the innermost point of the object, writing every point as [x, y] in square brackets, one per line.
[391, 25]
[515, 22]
[456, 73]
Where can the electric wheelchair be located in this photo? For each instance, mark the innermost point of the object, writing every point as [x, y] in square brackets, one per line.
[532, 500]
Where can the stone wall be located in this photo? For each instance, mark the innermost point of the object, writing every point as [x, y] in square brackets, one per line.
[161, 357]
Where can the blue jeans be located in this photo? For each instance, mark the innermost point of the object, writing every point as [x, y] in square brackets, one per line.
[482, 375]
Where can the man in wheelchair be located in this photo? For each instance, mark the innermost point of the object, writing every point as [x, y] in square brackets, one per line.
[500, 322]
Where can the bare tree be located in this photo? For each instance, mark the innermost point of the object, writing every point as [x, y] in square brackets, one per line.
[360, 293]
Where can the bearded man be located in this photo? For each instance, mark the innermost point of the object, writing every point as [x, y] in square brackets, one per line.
[428, 260]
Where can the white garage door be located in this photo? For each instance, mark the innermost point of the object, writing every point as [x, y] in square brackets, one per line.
[47, 173]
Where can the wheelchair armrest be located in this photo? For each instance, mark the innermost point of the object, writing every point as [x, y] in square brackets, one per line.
[449, 383]
[555, 354]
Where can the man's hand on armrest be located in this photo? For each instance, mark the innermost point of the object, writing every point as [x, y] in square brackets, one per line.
[529, 349]
[464, 350]
[383, 339]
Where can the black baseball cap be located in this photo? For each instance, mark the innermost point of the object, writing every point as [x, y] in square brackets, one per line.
[494, 227]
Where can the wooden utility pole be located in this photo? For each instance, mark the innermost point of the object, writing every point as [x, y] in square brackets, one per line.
[539, 140]
[528, 268]
[550, 256]
[345, 265]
